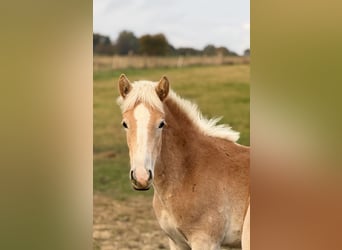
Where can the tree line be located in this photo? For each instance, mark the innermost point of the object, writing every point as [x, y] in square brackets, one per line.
[153, 45]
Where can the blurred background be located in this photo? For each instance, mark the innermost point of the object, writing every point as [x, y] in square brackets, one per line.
[47, 92]
[149, 34]
[203, 48]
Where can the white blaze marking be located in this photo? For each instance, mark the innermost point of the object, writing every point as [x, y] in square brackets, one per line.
[142, 117]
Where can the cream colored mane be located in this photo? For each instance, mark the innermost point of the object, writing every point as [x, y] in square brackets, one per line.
[144, 91]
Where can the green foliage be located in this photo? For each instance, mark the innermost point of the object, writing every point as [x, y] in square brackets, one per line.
[102, 45]
[223, 51]
[171, 51]
[127, 43]
[154, 45]
[218, 90]
[247, 52]
[189, 52]
[209, 50]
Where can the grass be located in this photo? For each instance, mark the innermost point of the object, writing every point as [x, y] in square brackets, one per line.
[218, 91]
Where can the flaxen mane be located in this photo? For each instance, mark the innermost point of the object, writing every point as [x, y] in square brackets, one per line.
[144, 91]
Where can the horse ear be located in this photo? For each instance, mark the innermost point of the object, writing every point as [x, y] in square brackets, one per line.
[163, 88]
[124, 85]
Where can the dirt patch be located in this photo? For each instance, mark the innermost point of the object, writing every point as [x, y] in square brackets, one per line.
[126, 225]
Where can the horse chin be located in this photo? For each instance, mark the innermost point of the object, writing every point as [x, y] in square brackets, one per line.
[141, 188]
[138, 187]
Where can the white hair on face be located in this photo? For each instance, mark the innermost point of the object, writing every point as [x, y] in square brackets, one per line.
[145, 92]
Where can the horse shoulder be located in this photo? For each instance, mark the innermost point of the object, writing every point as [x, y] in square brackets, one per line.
[168, 222]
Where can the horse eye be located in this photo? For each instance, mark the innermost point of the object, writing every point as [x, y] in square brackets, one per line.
[124, 124]
[161, 124]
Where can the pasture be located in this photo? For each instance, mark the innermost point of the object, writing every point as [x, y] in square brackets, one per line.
[218, 91]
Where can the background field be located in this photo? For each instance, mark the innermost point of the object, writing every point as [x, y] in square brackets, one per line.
[218, 90]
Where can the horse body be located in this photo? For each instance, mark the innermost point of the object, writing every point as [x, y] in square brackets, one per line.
[201, 184]
[199, 174]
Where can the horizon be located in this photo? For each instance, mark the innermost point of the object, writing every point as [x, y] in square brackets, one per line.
[227, 23]
[113, 41]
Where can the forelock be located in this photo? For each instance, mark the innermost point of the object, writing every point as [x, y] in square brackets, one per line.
[144, 92]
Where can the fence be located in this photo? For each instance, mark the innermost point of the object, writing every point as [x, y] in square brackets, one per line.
[142, 62]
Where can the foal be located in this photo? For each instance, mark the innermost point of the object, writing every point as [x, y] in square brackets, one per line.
[199, 173]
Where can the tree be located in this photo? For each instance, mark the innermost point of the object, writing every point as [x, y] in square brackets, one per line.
[102, 45]
[209, 50]
[247, 52]
[222, 51]
[189, 52]
[127, 43]
[171, 50]
[155, 45]
[226, 52]
[100, 39]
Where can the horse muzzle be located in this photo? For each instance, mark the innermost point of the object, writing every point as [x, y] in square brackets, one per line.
[141, 181]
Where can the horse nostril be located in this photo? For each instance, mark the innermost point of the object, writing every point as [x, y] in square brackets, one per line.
[132, 175]
[150, 175]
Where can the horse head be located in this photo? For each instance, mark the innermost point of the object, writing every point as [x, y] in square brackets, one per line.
[143, 121]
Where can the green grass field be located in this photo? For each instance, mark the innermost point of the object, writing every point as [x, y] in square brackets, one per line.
[218, 91]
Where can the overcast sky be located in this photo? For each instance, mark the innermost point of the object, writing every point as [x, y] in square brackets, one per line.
[185, 23]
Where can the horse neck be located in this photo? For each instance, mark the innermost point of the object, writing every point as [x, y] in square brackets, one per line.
[177, 141]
